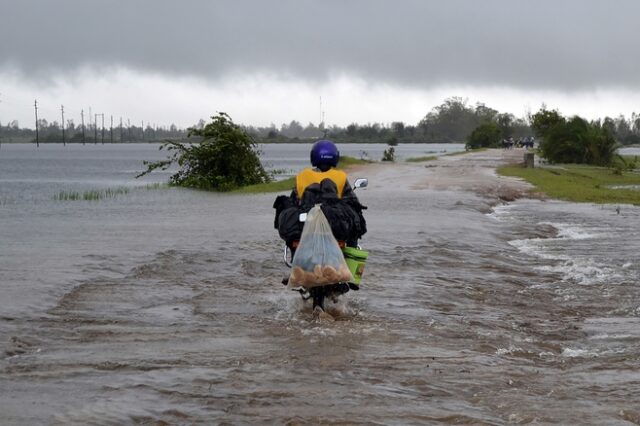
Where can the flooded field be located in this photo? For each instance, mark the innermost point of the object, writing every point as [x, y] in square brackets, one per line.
[164, 305]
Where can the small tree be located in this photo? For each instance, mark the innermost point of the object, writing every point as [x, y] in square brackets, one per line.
[389, 154]
[225, 159]
[485, 135]
[543, 120]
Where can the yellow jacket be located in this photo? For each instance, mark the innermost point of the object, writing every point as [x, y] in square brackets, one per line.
[309, 177]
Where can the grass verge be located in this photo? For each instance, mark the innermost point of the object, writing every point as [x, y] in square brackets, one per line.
[346, 161]
[420, 159]
[580, 183]
[469, 151]
[275, 186]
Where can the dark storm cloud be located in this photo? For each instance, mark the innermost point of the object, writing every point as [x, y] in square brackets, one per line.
[561, 44]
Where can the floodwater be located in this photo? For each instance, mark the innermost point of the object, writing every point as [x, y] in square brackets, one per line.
[630, 151]
[164, 306]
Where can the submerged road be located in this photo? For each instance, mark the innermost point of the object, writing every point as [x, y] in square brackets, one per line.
[165, 307]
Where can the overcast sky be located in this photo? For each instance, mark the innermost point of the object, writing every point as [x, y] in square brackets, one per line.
[266, 61]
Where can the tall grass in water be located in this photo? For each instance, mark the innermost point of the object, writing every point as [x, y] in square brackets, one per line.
[67, 196]
[97, 194]
[101, 194]
[92, 195]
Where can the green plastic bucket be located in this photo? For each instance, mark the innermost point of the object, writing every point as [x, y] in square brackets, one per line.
[356, 259]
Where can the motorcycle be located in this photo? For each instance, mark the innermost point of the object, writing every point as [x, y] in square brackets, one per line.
[329, 291]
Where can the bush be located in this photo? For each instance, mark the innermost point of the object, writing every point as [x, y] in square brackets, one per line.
[389, 154]
[486, 135]
[543, 120]
[578, 141]
[225, 159]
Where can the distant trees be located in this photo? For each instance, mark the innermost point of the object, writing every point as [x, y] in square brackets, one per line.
[486, 135]
[574, 140]
[450, 122]
[492, 127]
[454, 121]
[544, 120]
[397, 128]
[627, 131]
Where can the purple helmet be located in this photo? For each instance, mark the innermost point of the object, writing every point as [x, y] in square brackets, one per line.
[324, 152]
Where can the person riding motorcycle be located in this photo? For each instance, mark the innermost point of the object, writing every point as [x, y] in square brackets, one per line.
[323, 184]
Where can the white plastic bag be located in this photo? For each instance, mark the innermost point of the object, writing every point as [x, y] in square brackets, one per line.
[318, 259]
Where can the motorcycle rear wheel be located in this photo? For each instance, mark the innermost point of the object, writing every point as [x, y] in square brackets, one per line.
[319, 294]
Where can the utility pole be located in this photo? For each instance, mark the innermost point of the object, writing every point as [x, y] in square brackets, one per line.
[64, 142]
[35, 105]
[111, 130]
[82, 115]
[95, 129]
[102, 128]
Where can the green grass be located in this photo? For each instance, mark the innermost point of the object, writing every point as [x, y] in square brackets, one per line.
[157, 185]
[420, 159]
[101, 194]
[579, 183]
[346, 161]
[452, 154]
[92, 195]
[626, 162]
[275, 186]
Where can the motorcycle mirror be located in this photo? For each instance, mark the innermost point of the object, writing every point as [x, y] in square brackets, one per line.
[361, 183]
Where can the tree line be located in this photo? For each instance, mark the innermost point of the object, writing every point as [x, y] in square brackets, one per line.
[452, 121]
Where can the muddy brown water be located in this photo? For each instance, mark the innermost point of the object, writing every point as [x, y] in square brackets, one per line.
[164, 306]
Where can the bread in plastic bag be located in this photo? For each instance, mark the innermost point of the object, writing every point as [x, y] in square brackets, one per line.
[318, 259]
